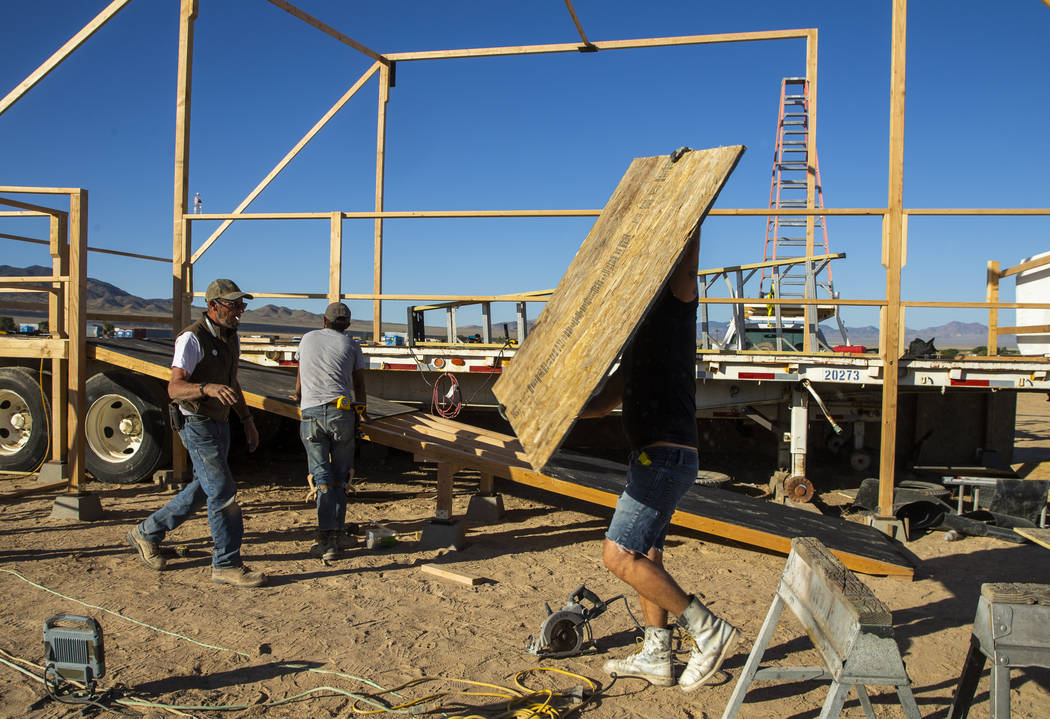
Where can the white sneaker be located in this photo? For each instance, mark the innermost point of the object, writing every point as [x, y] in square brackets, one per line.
[713, 640]
[652, 662]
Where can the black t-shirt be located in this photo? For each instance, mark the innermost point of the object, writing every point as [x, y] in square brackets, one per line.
[659, 374]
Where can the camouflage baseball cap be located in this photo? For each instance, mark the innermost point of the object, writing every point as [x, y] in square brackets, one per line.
[223, 289]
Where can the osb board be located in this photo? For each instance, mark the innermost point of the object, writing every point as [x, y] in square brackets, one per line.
[607, 290]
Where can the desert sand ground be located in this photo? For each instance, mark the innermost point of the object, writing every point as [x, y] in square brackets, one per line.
[375, 618]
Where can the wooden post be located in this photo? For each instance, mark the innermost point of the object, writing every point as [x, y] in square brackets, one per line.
[810, 312]
[56, 317]
[446, 471]
[335, 258]
[76, 313]
[377, 258]
[992, 295]
[182, 266]
[890, 346]
[487, 485]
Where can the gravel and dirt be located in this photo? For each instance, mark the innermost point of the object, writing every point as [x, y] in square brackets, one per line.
[374, 620]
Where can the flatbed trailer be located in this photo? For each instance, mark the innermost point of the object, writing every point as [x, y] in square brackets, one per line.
[142, 367]
[777, 390]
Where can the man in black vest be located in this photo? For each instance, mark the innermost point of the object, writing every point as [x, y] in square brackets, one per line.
[656, 382]
[204, 384]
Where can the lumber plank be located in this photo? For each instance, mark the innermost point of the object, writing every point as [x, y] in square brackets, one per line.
[1039, 536]
[62, 53]
[452, 576]
[606, 291]
[288, 157]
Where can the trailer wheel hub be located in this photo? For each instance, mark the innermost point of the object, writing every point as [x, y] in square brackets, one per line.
[114, 428]
[16, 423]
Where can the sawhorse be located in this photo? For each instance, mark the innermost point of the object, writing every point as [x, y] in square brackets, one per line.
[1012, 628]
[849, 626]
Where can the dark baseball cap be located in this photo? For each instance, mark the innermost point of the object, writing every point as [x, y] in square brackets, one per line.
[337, 311]
[223, 289]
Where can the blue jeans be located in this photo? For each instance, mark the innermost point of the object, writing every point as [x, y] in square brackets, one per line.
[208, 443]
[657, 479]
[328, 436]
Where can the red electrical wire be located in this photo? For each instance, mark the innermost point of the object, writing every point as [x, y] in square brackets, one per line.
[449, 402]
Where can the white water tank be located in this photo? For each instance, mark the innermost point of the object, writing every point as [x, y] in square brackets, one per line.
[1034, 286]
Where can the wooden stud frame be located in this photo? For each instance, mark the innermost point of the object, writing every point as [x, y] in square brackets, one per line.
[66, 290]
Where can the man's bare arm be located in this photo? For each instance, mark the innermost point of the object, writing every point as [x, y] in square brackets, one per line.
[180, 387]
[683, 277]
[607, 399]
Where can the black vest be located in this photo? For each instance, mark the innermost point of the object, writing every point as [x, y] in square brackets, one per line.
[218, 365]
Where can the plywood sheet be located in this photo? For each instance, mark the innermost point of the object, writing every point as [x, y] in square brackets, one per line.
[606, 292]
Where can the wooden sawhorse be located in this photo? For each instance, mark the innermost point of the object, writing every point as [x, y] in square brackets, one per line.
[1012, 628]
[849, 626]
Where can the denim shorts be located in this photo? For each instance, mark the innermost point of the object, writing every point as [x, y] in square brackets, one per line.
[658, 477]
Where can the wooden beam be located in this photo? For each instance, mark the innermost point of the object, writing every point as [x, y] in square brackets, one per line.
[992, 212]
[890, 348]
[335, 258]
[446, 574]
[35, 241]
[1024, 330]
[377, 245]
[76, 327]
[579, 27]
[28, 190]
[601, 45]
[32, 279]
[33, 347]
[30, 207]
[279, 167]
[61, 54]
[1030, 265]
[810, 319]
[992, 295]
[58, 242]
[182, 238]
[773, 263]
[328, 30]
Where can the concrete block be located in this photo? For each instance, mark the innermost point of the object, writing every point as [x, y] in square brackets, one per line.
[485, 508]
[84, 507]
[442, 534]
[52, 472]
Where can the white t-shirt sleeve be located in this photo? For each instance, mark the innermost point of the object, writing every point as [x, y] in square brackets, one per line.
[188, 352]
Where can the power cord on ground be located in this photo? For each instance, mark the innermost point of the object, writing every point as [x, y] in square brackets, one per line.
[522, 703]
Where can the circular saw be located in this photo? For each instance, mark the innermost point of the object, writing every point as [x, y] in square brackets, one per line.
[562, 632]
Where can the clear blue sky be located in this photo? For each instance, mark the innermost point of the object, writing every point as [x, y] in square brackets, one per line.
[536, 132]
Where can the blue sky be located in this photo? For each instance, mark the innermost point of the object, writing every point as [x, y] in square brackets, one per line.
[540, 132]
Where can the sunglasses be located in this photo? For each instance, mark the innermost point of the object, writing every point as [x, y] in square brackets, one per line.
[238, 305]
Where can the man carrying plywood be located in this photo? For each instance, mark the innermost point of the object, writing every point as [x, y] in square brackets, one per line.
[656, 385]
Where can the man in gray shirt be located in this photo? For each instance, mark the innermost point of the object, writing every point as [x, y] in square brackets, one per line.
[330, 384]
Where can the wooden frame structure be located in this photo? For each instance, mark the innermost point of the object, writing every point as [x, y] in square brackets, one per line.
[894, 214]
[66, 347]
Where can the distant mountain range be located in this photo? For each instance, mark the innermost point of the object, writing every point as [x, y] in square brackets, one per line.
[275, 319]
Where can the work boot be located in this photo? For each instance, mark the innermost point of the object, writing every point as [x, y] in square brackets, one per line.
[148, 551]
[713, 639]
[237, 576]
[652, 662]
[333, 549]
[320, 547]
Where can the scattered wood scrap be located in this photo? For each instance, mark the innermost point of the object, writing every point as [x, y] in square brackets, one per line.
[1039, 536]
[452, 576]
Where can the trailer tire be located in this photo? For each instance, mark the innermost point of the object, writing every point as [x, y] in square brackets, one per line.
[24, 416]
[126, 428]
